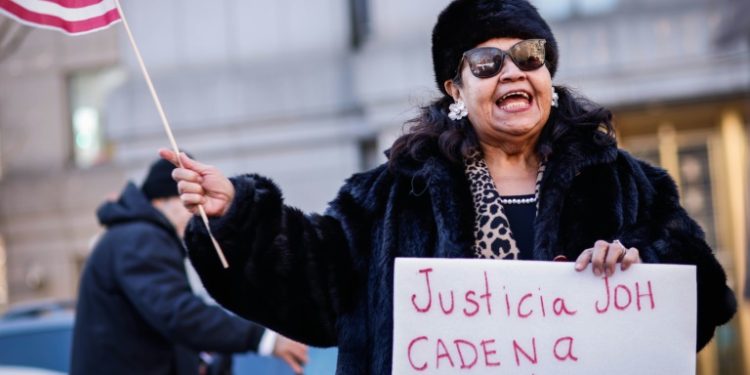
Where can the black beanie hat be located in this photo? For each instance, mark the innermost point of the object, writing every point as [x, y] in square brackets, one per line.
[159, 182]
[466, 23]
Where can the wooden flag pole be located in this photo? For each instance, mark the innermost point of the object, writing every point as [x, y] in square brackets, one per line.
[166, 126]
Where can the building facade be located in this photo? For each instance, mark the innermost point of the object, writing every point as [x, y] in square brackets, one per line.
[308, 92]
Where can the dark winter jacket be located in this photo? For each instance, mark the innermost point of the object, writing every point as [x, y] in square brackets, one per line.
[328, 279]
[136, 311]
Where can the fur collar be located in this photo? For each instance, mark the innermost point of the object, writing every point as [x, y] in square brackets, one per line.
[446, 185]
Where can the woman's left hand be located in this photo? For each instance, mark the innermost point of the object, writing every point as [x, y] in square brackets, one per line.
[605, 255]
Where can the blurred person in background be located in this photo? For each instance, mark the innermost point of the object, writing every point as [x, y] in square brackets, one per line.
[136, 311]
[504, 165]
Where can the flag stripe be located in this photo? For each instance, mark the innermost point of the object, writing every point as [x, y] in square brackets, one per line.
[74, 3]
[68, 14]
[51, 21]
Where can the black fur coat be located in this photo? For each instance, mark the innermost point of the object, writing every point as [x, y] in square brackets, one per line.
[327, 279]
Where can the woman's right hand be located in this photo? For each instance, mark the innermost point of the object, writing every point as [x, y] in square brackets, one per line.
[605, 255]
[200, 184]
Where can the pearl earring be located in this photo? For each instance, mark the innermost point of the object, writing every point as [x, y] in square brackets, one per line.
[555, 97]
[457, 110]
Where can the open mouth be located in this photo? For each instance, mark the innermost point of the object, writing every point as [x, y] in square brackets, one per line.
[515, 101]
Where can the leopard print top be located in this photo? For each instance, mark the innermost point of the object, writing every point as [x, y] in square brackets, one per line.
[493, 237]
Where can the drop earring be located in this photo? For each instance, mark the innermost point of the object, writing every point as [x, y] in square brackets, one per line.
[457, 110]
[555, 97]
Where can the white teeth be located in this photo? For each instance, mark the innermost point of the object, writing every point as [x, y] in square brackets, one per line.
[521, 93]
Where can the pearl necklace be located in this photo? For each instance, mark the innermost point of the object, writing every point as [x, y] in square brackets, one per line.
[518, 200]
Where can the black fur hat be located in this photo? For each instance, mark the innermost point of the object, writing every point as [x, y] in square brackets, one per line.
[466, 23]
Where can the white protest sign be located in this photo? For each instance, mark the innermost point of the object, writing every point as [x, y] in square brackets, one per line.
[542, 318]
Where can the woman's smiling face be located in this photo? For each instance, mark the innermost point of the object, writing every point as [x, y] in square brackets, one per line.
[512, 106]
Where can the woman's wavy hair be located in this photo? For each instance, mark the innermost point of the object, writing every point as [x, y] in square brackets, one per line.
[456, 140]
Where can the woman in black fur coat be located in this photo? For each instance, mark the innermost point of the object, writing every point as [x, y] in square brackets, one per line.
[503, 166]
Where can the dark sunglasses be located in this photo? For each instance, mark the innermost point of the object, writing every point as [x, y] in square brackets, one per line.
[486, 62]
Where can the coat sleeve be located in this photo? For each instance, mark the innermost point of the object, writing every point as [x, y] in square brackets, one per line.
[293, 272]
[665, 233]
[151, 272]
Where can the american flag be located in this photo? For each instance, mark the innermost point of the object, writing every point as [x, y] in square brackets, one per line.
[69, 16]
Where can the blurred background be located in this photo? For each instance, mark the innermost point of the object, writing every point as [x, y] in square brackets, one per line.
[310, 91]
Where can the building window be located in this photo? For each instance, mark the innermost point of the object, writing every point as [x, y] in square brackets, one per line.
[359, 15]
[88, 93]
[561, 9]
[695, 188]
